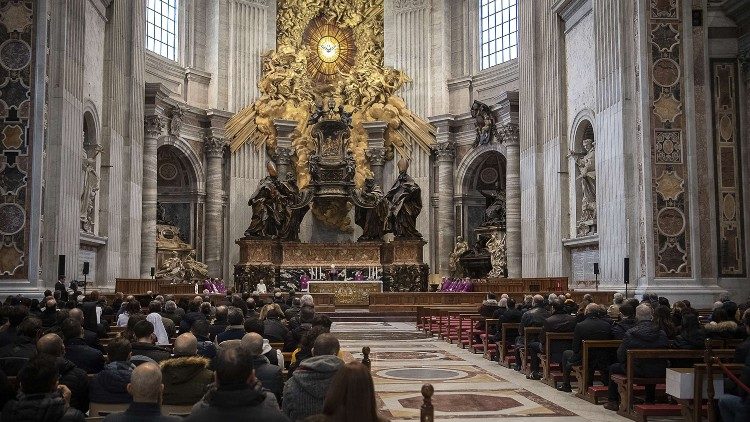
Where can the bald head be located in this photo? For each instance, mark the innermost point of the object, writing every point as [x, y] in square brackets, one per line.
[326, 344]
[644, 313]
[145, 383]
[253, 344]
[76, 313]
[50, 344]
[186, 345]
[591, 308]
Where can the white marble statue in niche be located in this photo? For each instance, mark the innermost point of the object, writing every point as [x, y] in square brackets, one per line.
[586, 177]
[496, 247]
[90, 187]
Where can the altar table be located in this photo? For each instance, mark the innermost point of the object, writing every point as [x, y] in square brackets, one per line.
[348, 293]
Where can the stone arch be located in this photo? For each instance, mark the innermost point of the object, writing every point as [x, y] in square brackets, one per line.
[469, 162]
[91, 125]
[193, 161]
[481, 169]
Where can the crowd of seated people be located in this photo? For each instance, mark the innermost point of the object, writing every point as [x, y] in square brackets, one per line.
[211, 357]
[648, 323]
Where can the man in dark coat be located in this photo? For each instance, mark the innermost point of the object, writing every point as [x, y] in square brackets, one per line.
[534, 317]
[110, 385]
[69, 375]
[644, 335]
[206, 347]
[220, 323]
[593, 327]
[145, 344]
[237, 395]
[273, 327]
[192, 314]
[186, 375]
[509, 315]
[23, 346]
[77, 351]
[90, 337]
[558, 322]
[269, 375]
[619, 328]
[236, 328]
[42, 398]
[60, 286]
[49, 314]
[294, 336]
[146, 388]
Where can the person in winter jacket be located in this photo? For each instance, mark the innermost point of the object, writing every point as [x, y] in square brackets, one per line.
[644, 335]
[77, 351]
[146, 388]
[237, 395]
[558, 322]
[206, 347]
[593, 327]
[110, 385]
[42, 398]
[305, 392]
[68, 373]
[23, 345]
[627, 311]
[186, 376]
[269, 375]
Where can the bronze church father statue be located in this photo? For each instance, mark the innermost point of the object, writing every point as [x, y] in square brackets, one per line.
[405, 198]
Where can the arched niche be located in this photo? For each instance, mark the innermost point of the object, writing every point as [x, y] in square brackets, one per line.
[180, 193]
[483, 170]
[582, 129]
[91, 171]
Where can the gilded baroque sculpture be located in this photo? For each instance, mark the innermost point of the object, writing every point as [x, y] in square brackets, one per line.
[496, 248]
[586, 176]
[172, 268]
[90, 188]
[329, 52]
[461, 247]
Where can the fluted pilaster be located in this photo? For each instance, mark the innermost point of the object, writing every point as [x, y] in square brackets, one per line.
[284, 151]
[375, 148]
[214, 149]
[509, 134]
[154, 125]
[445, 153]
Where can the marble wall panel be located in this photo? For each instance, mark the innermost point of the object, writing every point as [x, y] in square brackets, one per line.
[668, 141]
[16, 91]
[726, 130]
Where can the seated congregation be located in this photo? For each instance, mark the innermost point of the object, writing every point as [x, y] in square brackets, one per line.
[618, 351]
[234, 358]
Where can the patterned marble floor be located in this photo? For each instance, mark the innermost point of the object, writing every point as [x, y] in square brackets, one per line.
[467, 387]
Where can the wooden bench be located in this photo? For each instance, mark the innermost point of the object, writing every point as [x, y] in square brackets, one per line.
[626, 384]
[584, 373]
[525, 361]
[506, 346]
[549, 376]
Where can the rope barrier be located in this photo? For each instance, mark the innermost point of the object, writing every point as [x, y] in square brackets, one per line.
[732, 376]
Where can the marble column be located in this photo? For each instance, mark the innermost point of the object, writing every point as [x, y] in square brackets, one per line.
[214, 148]
[445, 152]
[375, 149]
[154, 125]
[284, 151]
[509, 133]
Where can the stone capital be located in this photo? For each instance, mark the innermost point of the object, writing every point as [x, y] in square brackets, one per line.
[153, 125]
[214, 146]
[283, 155]
[445, 151]
[376, 156]
[509, 133]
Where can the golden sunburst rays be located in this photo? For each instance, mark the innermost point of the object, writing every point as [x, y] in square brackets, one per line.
[331, 49]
